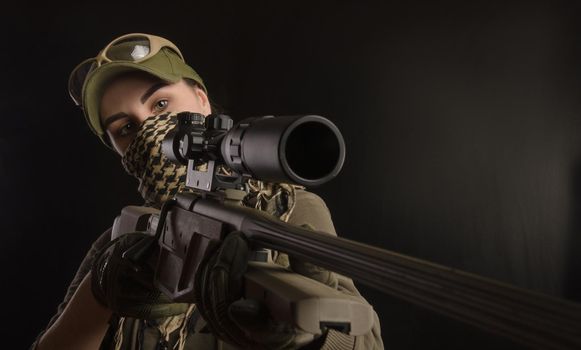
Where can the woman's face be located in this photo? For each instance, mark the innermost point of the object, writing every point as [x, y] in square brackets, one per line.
[128, 101]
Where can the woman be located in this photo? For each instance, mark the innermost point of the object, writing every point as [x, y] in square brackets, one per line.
[129, 94]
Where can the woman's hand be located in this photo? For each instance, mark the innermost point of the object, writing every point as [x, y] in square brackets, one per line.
[241, 322]
[122, 279]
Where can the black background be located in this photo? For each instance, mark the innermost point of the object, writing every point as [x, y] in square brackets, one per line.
[462, 123]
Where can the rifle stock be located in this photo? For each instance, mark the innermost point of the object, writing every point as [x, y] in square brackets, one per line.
[290, 297]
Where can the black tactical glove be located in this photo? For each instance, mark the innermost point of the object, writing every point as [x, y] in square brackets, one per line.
[218, 284]
[241, 322]
[122, 279]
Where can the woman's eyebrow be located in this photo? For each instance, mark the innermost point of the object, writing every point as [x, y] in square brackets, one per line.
[112, 119]
[151, 90]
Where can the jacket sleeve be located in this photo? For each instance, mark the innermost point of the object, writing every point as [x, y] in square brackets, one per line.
[82, 271]
[311, 209]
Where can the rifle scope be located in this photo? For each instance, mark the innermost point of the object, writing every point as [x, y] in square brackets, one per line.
[306, 150]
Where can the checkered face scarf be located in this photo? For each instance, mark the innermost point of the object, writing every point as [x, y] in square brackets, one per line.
[159, 178]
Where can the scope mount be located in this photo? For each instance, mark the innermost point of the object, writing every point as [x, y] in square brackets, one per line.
[195, 142]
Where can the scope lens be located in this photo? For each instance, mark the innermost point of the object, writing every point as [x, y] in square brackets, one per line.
[312, 150]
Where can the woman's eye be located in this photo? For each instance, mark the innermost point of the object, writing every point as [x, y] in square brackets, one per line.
[126, 129]
[160, 106]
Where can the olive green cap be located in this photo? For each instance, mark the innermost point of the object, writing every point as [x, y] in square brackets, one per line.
[165, 64]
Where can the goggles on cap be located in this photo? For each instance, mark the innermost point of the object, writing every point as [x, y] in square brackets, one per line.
[135, 47]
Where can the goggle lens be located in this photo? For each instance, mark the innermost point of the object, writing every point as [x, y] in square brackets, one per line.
[129, 49]
[77, 79]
